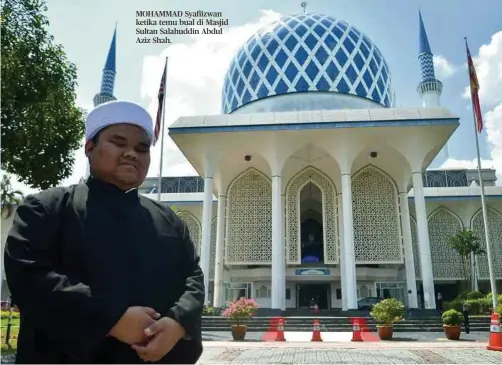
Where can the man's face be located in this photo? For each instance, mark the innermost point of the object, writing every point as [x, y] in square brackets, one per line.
[120, 156]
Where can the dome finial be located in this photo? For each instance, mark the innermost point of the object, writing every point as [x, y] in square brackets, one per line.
[304, 6]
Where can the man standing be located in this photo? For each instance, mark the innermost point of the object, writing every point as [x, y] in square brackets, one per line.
[101, 274]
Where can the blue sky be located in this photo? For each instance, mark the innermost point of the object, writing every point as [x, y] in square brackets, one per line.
[85, 27]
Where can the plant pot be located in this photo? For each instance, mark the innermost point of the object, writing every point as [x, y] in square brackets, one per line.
[239, 332]
[385, 331]
[452, 332]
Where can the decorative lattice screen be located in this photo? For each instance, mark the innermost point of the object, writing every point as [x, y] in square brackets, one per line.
[495, 229]
[377, 230]
[416, 251]
[249, 220]
[293, 218]
[194, 228]
[446, 262]
[213, 248]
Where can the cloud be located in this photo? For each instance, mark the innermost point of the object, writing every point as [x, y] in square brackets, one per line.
[196, 72]
[488, 65]
[444, 68]
[451, 164]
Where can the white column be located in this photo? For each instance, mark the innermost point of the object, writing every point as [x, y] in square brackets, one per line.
[423, 242]
[348, 241]
[409, 262]
[218, 299]
[342, 257]
[278, 254]
[205, 247]
[283, 244]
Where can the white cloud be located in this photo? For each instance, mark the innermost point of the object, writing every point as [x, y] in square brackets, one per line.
[444, 68]
[451, 164]
[196, 72]
[488, 65]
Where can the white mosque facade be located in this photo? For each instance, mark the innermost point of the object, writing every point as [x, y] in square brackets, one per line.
[313, 184]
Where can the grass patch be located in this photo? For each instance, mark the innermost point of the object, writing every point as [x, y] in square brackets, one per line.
[14, 333]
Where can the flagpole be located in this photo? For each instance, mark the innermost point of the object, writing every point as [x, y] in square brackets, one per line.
[159, 188]
[483, 201]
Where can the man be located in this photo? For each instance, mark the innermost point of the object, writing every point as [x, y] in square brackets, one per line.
[101, 274]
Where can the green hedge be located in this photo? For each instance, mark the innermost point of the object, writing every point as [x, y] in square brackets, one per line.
[478, 303]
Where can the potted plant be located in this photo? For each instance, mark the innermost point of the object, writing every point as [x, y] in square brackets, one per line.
[452, 320]
[239, 311]
[385, 314]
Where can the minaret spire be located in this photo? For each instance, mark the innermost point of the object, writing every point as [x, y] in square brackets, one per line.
[429, 88]
[109, 72]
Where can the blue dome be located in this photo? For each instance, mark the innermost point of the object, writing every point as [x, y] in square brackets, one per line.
[305, 53]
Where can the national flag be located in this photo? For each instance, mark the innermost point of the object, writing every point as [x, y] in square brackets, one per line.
[474, 91]
[160, 109]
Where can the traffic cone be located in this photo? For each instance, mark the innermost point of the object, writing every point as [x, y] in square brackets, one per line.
[316, 333]
[495, 341]
[356, 331]
[280, 331]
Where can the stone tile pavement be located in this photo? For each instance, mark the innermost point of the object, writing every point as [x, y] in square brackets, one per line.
[310, 353]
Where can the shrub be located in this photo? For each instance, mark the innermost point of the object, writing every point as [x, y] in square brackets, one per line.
[454, 304]
[475, 295]
[388, 311]
[241, 309]
[478, 306]
[498, 310]
[208, 310]
[452, 318]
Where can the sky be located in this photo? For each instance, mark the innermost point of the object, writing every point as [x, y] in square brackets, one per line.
[197, 64]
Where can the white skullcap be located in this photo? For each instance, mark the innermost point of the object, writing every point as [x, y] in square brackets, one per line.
[117, 112]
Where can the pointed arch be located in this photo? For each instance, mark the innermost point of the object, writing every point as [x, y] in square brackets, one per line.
[495, 229]
[329, 214]
[377, 228]
[249, 219]
[446, 262]
[416, 250]
[194, 227]
[213, 247]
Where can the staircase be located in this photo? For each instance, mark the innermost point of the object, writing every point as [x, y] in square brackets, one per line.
[340, 324]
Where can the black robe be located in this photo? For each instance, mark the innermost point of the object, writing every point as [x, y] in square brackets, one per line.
[77, 257]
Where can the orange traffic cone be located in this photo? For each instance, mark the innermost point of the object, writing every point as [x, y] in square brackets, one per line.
[280, 331]
[356, 331]
[316, 333]
[495, 341]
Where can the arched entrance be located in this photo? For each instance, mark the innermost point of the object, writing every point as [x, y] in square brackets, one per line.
[311, 230]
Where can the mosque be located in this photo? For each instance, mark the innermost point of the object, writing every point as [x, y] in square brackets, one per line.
[314, 185]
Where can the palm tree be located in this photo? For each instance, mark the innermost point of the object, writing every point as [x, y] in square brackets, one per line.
[466, 244]
[9, 197]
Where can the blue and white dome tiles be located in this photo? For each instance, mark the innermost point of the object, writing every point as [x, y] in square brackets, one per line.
[306, 53]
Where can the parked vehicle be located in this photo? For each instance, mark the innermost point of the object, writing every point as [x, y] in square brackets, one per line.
[366, 304]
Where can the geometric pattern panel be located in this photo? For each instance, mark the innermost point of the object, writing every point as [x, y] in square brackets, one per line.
[213, 248]
[194, 228]
[306, 53]
[426, 66]
[329, 215]
[249, 220]
[495, 229]
[377, 230]
[416, 250]
[446, 262]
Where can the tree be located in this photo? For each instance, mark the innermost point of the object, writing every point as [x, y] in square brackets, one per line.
[41, 124]
[9, 197]
[466, 244]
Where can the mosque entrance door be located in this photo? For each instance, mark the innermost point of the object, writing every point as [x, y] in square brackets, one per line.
[312, 237]
[313, 293]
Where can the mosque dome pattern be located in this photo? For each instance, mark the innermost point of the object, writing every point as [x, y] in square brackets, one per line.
[302, 53]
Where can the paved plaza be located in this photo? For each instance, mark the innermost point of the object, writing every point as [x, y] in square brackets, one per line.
[409, 349]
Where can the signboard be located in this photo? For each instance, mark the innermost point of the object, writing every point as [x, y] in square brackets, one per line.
[312, 272]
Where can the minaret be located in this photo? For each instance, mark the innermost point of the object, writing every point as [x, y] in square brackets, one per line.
[109, 72]
[429, 88]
